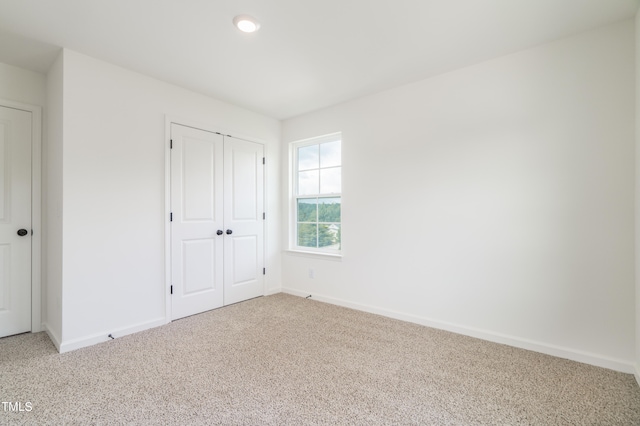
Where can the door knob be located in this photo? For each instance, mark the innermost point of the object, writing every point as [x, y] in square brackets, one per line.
[219, 232]
[229, 232]
[22, 232]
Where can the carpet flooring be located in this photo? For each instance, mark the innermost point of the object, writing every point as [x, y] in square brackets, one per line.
[284, 360]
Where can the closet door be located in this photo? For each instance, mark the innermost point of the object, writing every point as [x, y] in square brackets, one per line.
[244, 220]
[217, 224]
[197, 216]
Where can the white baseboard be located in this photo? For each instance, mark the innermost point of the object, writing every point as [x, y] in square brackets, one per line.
[104, 336]
[557, 351]
[637, 373]
[52, 336]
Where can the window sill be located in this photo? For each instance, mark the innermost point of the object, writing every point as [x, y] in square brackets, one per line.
[314, 254]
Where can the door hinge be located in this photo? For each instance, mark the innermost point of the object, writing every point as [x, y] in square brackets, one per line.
[264, 271]
[170, 143]
[171, 217]
[264, 216]
[171, 289]
[263, 160]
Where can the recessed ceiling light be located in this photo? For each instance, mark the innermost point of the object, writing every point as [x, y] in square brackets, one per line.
[246, 23]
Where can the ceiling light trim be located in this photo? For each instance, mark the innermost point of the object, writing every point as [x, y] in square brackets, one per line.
[246, 23]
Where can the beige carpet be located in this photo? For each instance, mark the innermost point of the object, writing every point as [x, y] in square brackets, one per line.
[284, 360]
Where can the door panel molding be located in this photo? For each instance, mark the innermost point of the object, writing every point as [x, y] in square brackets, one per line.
[36, 209]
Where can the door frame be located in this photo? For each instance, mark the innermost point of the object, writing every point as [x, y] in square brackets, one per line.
[169, 120]
[36, 208]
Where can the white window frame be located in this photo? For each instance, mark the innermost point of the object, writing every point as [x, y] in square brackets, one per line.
[293, 243]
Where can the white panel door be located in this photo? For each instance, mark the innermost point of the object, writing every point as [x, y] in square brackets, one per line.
[197, 216]
[15, 219]
[243, 220]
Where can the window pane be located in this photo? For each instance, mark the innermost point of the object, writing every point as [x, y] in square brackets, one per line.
[317, 197]
[308, 182]
[308, 157]
[331, 180]
[307, 210]
[329, 236]
[330, 154]
[307, 235]
[328, 210]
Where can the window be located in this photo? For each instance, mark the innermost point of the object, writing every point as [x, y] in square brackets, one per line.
[317, 188]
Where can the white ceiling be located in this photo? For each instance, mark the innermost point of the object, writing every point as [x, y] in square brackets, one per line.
[308, 54]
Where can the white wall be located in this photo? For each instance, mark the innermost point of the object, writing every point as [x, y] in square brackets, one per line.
[496, 200]
[52, 203]
[20, 85]
[113, 194]
[637, 195]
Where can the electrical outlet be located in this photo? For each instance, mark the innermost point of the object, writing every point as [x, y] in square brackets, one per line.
[311, 273]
